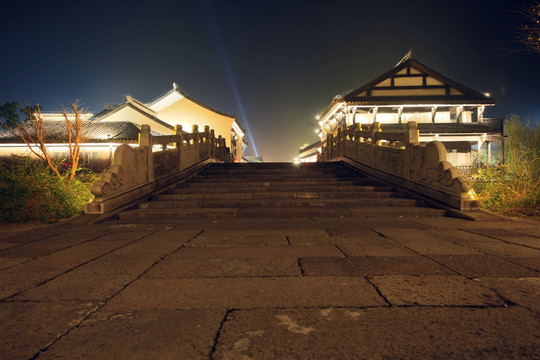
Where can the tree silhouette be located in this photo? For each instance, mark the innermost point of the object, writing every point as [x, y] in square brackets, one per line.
[529, 33]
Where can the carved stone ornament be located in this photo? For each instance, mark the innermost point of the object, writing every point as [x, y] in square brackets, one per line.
[129, 170]
[429, 166]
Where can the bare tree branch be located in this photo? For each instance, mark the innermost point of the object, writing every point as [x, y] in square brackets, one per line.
[33, 134]
[529, 33]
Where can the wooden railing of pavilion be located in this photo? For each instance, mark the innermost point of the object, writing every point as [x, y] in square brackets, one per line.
[138, 171]
[398, 158]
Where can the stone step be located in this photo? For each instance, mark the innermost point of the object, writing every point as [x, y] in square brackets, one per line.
[281, 190]
[303, 212]
[198, 195]
[262, 189]
[276, 182]
[265, 203]
[294, 174]
[396, 212]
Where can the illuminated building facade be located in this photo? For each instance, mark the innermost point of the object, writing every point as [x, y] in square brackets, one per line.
[444, 110]
[120, 124]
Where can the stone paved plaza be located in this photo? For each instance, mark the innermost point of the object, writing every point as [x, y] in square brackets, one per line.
[316, 288]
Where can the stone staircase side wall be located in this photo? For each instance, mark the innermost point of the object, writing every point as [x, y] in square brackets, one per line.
[400, 159]
[138, 171]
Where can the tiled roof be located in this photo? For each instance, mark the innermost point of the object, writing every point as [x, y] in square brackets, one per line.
[448, 128]
[418, 100]
[93, 131]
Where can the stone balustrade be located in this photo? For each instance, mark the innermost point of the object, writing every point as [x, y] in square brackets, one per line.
[398, 157]
[138, 171]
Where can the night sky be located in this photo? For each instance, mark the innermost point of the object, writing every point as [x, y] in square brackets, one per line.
[275, 64]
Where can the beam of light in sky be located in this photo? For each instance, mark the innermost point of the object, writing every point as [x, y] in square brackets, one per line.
[214, 30]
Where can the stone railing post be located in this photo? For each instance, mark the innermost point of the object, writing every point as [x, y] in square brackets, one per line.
[206, 145]
[195, 132]
[212, 141]
[220, 147]
[179, 143]
[375, 128]
[358, 139]
[341, 142]
[411, 139]
[413, 136]
[145, 141]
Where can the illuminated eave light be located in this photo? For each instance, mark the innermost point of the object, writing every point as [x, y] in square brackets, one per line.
[237, 129]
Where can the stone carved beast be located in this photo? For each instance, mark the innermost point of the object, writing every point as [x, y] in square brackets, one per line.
[130, 169]
[429, 166]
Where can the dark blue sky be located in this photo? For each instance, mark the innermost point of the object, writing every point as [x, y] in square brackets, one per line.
[275, 64]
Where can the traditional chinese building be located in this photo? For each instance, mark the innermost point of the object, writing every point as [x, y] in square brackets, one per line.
[444, 109]
[120, 124]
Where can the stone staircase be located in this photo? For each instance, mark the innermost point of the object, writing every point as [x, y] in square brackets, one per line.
[275, 190]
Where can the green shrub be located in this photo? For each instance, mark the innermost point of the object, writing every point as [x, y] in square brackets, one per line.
[513, 188]
[510, 189]
[29, 191]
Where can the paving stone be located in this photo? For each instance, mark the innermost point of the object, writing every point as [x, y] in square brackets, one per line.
[380, 333]
[311, 239]
[138, 227]
[524, 291]
[125, 235]
[28, 327]
[474, 266]
[435, 291]
[530, 262]
[7, 262]
[5, 245]
[531, 231]
[36, 234]
[487, 245]
[103, 277]
[370, 266]
[463, 237]
[504, 249]
[241, 293]
[233, 252]
[359, 223]
[529, 241]
[257, 238]
[423, 243]
[361, 234]
[162, 334]
[494, 232]
[241, 267]
[32, 273]
[38, 249]
[380, 248]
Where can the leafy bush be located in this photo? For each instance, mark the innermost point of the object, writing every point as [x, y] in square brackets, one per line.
[513, 188]
[30, 191]
[510, 189]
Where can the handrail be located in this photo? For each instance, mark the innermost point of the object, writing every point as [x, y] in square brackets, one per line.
[138, 171]
[399, 157]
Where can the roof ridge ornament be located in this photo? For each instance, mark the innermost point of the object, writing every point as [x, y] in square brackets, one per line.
[408, 56]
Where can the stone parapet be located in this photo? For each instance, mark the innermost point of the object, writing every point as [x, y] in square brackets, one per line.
[399, 158]
[138, 171]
